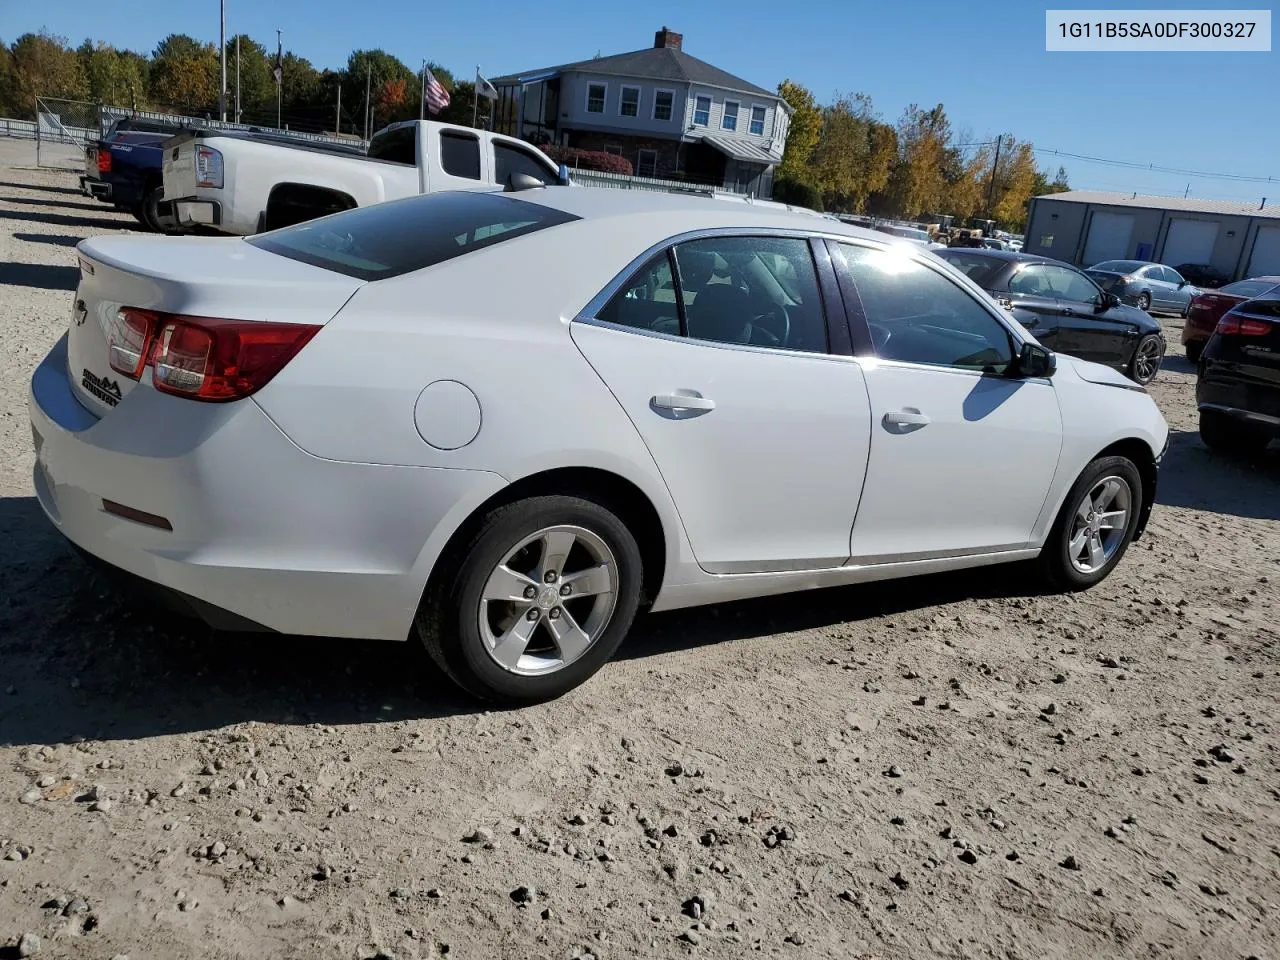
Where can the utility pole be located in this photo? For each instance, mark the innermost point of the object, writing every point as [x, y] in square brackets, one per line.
[991, 187]
[422, 100]
[237, 78]
[279, 82]
[337, 119]
[368, 110]
[222, 44]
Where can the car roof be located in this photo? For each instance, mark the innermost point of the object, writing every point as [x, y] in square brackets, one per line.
[596, 203]
[1015, 256]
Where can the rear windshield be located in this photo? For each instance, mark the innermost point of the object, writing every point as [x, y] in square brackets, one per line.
[977, 268]
[1247, 288]
[390, 239]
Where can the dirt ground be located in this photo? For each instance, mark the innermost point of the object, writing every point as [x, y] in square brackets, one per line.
[945, 767]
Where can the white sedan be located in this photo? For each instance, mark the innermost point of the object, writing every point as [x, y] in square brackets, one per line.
[507, 422]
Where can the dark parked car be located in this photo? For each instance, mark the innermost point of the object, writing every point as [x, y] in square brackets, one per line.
[1238, 389]
[1207, 309]
[1148, 286]
[125, 169]
[1202, 275]
[1065, 310]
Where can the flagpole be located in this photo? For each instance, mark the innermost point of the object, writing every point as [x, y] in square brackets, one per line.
[280, 80]
[422, 103]
[475, 99]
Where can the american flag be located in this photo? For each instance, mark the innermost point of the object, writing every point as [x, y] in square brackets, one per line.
[436, 95]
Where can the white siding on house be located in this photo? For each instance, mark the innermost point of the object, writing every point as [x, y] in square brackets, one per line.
[745, 102]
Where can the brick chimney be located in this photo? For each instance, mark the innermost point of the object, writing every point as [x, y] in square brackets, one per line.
[668, 38]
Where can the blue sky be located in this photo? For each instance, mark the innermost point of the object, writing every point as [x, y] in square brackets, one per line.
[985, 61]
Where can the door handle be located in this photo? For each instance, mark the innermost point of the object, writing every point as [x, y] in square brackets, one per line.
[682, 401]
[906, 418]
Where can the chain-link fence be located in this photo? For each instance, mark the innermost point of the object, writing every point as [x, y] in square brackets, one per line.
[63, 129]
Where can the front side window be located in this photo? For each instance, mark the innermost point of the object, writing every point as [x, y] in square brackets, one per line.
[757, 121]
[595, 97]
[629, 102]
[1069, 285]
[460, 155]
[662, 104]
[701, 111]
[730, 119]
[389, 239]
[917, 315]
[508, 159]
[748, 291]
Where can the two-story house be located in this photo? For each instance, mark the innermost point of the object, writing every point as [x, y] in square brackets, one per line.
[670, 114]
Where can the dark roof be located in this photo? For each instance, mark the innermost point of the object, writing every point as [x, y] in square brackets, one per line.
[653, 63]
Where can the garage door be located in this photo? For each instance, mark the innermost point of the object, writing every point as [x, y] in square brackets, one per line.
[1265, 259]
[1190, 241]
[1109, 236]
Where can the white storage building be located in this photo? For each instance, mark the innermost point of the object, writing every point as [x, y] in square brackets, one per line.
[1085, 227]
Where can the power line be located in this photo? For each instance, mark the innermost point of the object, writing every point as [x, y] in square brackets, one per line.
[1156, 168]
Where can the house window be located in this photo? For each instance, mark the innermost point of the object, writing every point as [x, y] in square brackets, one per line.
[662, 104]
[613, 148]
[757, 121]
[629, 102]
[647, 163]
[730, 119]
[701, 111]
[595, 97]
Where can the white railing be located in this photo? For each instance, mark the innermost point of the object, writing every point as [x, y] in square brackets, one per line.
[598, 178]
[22, 129]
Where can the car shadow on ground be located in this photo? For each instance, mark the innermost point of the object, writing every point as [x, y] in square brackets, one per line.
[56, 239]
[39, 187]
[1194, 476]
[42, 276]
[91, 206]
[66, 220]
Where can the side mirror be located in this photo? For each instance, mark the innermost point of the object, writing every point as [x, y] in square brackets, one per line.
[522, 181]
[1109, 300]
[1035, 361]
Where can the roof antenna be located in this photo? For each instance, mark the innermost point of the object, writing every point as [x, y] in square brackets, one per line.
[1263, 204]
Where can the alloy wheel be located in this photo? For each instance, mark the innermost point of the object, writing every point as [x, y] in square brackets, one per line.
[1146, 360]
[1099, 523]
[549, 600]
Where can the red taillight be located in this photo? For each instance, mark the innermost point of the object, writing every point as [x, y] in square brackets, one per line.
[129, 341]
[1243, 326]
[219, 360]
[104, 160]
[201, 357]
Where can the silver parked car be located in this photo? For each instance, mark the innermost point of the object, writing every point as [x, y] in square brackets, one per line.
[1148, 286]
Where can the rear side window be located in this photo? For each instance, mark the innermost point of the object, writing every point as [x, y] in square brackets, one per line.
[460, 155]
[390, 239]
[508, 160]
[981, 270]
[396, 146]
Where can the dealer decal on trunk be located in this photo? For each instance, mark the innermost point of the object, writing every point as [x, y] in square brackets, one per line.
[104, 388]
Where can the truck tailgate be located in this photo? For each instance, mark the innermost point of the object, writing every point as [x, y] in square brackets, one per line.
[180, 170]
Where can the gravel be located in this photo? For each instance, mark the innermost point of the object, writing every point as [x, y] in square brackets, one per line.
[362, 768]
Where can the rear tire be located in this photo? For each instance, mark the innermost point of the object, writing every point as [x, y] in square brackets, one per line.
[1110, 491]
[1234, 438]
[150, 208]
[1194, 349]
[532, 646]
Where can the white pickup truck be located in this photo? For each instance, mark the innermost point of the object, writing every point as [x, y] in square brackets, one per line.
[243, 183]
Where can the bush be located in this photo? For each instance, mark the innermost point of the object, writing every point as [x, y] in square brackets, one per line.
[589, 159]
[797, 193]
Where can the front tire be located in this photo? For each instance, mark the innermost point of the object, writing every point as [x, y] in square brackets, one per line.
[1194, 349]
[1234, 438]
[1144, 301]
[535, 602]
[1147, 356]
[1095, 526]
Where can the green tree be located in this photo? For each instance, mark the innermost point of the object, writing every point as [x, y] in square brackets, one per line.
[371, 71]
[185, 75]
[42, 65]
[854, 155]
[802, 133]
[257, 85]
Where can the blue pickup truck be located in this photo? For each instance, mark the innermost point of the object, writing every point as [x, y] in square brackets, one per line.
[125, 169]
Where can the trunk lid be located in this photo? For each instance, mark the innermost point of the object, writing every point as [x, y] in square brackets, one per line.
[197, 276]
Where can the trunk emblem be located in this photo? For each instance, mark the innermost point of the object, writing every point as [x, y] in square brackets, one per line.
[104, 388]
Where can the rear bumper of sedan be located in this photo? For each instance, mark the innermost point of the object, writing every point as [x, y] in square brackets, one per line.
[216, 508]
